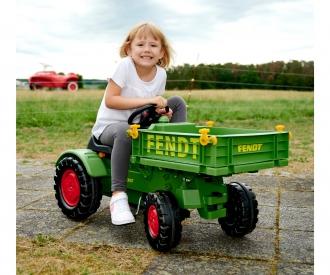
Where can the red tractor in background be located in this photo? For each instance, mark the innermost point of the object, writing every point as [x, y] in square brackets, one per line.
[50, 79]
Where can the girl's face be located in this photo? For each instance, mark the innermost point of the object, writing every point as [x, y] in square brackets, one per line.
[146, 51]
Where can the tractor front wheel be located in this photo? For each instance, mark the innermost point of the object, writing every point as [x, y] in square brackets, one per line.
[162, 221]
[78, 195]
[242, 210]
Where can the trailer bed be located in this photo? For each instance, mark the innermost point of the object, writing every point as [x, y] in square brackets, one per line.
[177, 146]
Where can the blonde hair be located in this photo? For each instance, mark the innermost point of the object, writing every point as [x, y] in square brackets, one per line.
[148, 28]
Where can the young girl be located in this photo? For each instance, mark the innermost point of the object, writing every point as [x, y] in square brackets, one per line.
[139, 80]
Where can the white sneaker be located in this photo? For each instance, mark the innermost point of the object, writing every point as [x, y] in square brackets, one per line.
[120, 212]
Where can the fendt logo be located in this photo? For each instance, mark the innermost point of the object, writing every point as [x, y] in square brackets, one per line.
[249, 147]
[173, 146]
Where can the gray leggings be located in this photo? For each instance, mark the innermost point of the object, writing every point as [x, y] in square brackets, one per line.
[116, 136]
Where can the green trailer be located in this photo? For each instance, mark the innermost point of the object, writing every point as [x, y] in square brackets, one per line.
[174, 168]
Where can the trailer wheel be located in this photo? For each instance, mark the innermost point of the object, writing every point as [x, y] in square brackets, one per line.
[78, 195]
[162, 221]
[72, 86]
[242, 210]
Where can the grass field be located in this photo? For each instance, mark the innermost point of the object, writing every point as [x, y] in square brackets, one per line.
[49, 122]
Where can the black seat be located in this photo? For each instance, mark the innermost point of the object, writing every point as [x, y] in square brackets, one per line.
[97, 146]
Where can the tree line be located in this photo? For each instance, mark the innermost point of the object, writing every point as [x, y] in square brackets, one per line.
[277, 75]
[293, 75]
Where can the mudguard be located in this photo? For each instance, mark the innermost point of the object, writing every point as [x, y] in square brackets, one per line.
[92, 162]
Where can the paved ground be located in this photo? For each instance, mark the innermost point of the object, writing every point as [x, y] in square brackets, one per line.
[282, 243]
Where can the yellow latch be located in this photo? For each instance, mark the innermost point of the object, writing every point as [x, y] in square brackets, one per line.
[204, 139]
[281, 128]
[133, 131]
[210, 123]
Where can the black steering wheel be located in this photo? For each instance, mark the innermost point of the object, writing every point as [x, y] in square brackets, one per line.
[148, 115]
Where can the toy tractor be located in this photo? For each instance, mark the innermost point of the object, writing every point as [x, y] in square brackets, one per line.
[174, 167]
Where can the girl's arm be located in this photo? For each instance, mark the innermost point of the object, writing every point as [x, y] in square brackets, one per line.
[114, 100]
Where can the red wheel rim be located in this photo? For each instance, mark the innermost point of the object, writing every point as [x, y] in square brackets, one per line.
[153, 222]
[72, 87]
[70, 188]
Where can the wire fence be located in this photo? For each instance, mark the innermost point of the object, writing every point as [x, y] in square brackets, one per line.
[87, 83]
[54, 112]
[212, 67]
[242, 83]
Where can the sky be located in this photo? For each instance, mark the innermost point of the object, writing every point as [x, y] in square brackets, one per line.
[84, 36]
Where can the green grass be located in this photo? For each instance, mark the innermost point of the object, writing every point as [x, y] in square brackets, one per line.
[46, 255]
[51, 122]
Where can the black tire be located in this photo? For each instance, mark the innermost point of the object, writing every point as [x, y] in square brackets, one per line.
[164, 232]
[86, 196]
[242, 210]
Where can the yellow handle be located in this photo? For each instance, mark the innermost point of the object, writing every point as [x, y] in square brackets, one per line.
[210, 123]
[204, 139]
[280, 128]
[213, 139]
[133, 131]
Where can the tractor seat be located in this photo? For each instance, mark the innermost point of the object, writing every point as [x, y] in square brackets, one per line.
[97, 146]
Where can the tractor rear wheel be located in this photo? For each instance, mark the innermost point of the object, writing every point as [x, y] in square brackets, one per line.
[242, 210]
[162, 221]
[78, 195]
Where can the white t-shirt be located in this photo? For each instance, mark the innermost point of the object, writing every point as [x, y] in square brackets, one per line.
[126, 77]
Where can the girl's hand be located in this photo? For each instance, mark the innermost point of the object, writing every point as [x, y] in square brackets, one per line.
[162, 111]
[160, 102]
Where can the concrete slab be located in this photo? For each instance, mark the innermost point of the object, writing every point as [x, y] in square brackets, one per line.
[266, 217]
[198, 264]
[295, 268]
[49, 203]
[257, 181]
[210, 238]
[297, 218]
[297, 246]
[266, 198]
[26, 197]
[297, 199]
[100, 230]
[30, 223]
[304, 183]
[35, 183]
[26, 168]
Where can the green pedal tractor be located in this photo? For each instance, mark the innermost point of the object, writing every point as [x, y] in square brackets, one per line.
[174, 167]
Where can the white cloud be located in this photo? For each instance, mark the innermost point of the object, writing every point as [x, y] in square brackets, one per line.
[84, 36]
[193, 7]
[278, 31]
